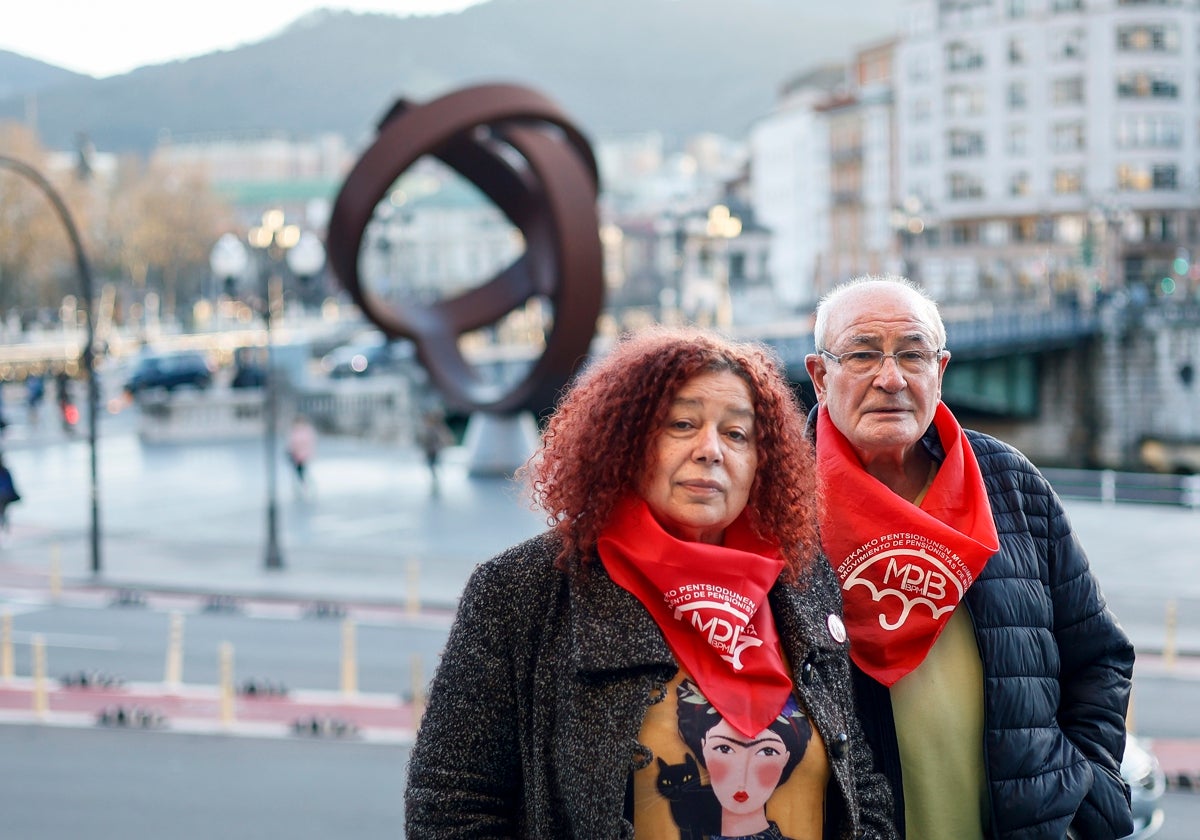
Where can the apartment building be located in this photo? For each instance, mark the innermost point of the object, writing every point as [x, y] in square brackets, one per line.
[1051, 145]
[996, 149]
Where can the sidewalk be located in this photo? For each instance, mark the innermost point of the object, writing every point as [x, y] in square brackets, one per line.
[193, 518]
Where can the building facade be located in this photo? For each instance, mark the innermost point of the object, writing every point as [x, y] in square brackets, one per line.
[1052, 145]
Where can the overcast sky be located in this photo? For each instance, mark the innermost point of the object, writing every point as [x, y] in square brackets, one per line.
[109, 37]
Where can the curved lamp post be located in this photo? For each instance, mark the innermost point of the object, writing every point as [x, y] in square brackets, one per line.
[89, 350]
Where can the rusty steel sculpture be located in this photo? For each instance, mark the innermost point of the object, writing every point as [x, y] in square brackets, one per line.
[520, 150]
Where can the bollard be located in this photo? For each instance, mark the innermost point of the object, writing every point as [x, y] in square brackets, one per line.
[1168, 653]
[41, 704]
[349, 659]
[225, 658]
[418, 692]
[414, 579]
[6, 646]
[173, 676]
[55, 572]
[1108, 487]
[1191, 491]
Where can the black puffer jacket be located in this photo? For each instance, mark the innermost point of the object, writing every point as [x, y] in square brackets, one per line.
[1057, 670]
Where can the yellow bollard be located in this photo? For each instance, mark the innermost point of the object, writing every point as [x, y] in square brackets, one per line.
[55, 572]
[414, 581]
[1168, 653]
[418, 691]
[349, 659]
[173, 675]
[6, 646]
[225, 658]
[41, 704]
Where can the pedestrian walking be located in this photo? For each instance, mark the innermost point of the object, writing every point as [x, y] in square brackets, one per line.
[68, 413]
[433, 436]
[8, 495]
[301, 446]
[35, 392]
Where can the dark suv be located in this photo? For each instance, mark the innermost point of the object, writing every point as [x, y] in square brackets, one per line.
[168, 371]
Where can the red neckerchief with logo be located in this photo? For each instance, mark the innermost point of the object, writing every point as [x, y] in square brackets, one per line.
[903, 568]
[710, 601]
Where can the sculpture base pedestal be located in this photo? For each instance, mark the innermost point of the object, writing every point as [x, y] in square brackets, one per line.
[497, 444]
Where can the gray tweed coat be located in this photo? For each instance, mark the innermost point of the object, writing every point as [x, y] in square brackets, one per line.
[533, 717]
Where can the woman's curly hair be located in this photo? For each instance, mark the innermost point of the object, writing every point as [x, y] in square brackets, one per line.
[596, 446]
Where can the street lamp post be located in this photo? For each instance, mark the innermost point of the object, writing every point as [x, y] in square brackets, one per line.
[272, 239]
[722, 226]
[89, 349]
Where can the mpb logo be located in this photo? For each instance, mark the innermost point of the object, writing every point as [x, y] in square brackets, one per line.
[912, 577]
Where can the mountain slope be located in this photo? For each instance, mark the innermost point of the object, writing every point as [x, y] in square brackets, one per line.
[617, 66]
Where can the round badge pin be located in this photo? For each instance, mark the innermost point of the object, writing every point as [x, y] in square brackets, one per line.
[836, 628]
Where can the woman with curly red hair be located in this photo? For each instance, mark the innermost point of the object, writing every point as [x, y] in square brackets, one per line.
[682, 503]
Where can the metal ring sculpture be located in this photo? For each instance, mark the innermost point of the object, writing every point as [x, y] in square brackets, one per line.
[547, 190]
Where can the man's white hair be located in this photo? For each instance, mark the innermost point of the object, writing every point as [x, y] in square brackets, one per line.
[834, 296]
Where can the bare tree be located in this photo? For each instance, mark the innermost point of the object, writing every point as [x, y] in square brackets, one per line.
[36, 263]
[161, 227]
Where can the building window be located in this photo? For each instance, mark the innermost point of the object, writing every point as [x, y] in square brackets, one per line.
[1016, 51]
[1140, 177]
[964, 233]
[1059, 6]
[964, 143]
[965, 101]
[1148, 38]
[963, 56]
[921, 110]
[1149, 131]
[1067, 44]
[1158, 227]
[1017, 96]
[1068, 181]
[1018, 184]
[1018, 8]
[1068, 137]
[1018, 140]
[1149, 2]
[918, 68]
[1165, 176]
[1067, 91]
[919, 152]
[1147, 84]
[1024, 229]
[963, 186]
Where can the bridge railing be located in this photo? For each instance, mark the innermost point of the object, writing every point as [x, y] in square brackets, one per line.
[1111, 486]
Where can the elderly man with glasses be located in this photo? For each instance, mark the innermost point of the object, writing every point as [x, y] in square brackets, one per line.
[993, 679]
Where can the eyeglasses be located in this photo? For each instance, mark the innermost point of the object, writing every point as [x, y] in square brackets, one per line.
[870, 362]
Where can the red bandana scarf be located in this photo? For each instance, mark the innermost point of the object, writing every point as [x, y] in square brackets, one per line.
[706, 599]
[903, 568]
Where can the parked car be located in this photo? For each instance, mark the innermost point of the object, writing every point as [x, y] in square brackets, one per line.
[368, 358]
[170, 371]
[1140, 769]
